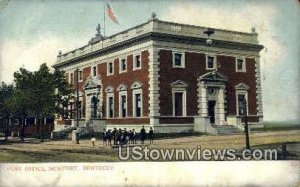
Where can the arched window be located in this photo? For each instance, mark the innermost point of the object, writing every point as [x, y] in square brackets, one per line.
[241, 91]
[122, 100]
[109, 102]
[137, 99]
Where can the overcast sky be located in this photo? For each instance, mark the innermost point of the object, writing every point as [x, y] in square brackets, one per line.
[33, 31]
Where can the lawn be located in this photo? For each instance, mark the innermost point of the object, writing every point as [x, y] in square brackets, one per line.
[67, 151]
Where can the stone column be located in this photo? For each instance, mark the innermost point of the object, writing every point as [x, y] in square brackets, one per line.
[202, 102]
[154, 90]
[88, 107]
[221, 107]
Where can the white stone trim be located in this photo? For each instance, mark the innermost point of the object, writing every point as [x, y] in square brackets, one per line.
[189, 48]
[109, 89]
[244, 66]
[122, 87]
[258, 89]
[220, 107]
[136, 85]
[184, 106]
[179, 84]
[202, 99]
[154, 89]
[242, 86]
[182, 59]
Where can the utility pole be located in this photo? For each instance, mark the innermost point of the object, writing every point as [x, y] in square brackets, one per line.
[77, 106]
[246, 125]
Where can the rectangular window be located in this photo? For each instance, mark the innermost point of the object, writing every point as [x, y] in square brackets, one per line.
[138, 105]
[94, 71]
[71, 78]
[137, 62]
[80, 75]
[242, 106]
[210, 62]
[79, 109]
[71, 111]
[110, 68]
[110, 107]
[123, 65]
[123, 106]
[240, 65]
[178, 60]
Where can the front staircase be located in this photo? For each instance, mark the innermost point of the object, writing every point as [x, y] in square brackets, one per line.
[227, 129]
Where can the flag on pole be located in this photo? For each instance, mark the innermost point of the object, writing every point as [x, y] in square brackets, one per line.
[111, 14]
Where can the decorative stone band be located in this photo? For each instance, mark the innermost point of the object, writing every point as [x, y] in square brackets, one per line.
[159, 37]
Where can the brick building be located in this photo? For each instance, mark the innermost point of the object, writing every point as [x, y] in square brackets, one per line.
[165, 75]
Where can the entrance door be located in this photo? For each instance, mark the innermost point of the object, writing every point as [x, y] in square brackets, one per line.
[178, 104]
[211, 111]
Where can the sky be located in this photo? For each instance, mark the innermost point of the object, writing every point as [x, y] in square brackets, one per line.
[33, 31]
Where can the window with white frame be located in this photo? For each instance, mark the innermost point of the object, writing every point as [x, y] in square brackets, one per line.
[80, 77]
[240, 65]
[137, 99]
[179, 98]
[123, 65]
[178, 60]
[94, 71]
[211, 62]
[71, 78]
[110, 105]
[242, 103]
[123, 104]
[179, 101]
[241, 92]
[109, 102]
[122, 100]
[137, 62]
[110, 68]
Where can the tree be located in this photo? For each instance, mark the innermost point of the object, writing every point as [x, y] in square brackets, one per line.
[47, 93]
[38, 94]
[63, 94]
[19, 103]
[6, 92]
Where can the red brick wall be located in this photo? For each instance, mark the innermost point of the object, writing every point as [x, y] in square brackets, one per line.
[195, 66]
[174, 120]
[127, 78]
[31, 130]
[128, 121]
[234, 78]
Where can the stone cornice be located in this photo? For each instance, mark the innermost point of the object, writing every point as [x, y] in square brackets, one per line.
[160, 37]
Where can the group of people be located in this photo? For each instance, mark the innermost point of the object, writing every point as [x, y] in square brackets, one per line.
[124, 137]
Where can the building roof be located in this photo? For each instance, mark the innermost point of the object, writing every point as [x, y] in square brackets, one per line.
[155, 29]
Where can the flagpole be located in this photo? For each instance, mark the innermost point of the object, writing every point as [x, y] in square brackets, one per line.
[104, 20]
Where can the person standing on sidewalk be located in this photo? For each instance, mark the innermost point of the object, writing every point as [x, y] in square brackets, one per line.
[151, 135]
[143, 135]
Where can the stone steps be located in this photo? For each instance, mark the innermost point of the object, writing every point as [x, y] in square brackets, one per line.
[227, 129]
